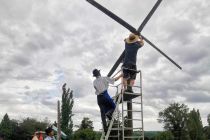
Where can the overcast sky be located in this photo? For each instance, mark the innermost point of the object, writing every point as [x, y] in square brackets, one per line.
[45, 43]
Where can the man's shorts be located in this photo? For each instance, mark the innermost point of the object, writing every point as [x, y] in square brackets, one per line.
[129, 71]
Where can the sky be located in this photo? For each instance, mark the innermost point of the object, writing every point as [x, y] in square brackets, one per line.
[46, 43]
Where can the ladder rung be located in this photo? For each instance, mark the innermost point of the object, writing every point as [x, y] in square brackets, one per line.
[135, 119]
[130, 128]
[116, 123]
[126, 137]
[137, 94]
[116, 129]
[114, 136]
[137, 86]
[133, 110]
[134, 102]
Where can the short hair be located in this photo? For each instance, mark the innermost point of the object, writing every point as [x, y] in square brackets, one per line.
[48, 130]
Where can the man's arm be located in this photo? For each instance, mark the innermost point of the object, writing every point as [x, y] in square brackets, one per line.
[141, 42]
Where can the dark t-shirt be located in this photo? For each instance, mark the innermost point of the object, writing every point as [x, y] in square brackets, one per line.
[131, 53]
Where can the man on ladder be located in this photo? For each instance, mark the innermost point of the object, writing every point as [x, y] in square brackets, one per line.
[105, 103]
[132, 45]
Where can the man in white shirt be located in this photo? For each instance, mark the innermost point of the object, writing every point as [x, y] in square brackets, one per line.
[50, 134]
[105, 102]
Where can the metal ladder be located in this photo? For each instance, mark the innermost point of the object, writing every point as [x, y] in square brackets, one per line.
[115, 117]
[118, 122]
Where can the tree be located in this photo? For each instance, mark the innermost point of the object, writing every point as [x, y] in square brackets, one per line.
[166, 135]
[17, 132]
[66, 111]
[12, 130]
[30, 125]
[86, 124]
[195, 126]
[174, 119]
[207, 128]
[6, 127]
[85, 131]
[85, 134]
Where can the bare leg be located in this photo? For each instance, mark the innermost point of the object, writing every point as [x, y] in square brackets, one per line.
[132, 83]
[122, 83]
[125, 83]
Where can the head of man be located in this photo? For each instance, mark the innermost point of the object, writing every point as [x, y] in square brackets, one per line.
[49, 131]
[132, 38]
[96, 73]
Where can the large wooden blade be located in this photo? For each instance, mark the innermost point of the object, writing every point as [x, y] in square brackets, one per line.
[149, 15]
[117, 63]
[149, 42]
[113, 16]
[130, 28]
[120, 21]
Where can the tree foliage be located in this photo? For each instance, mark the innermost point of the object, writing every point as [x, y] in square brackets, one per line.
[85, 131]
[174, 119]
[66, 111]
[194, 125]
[30, 125]
[85, 134]
[86, 124]
[166, 135]
[207, 128]
[208, 119]
[14, 130]
[6, 127]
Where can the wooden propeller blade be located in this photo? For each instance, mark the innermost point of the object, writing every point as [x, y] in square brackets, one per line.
[131, 29]
[149, 42]
[117, 63]
[149, 15]
[113, 16]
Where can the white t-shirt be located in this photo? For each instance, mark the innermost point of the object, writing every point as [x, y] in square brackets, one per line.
[102, 83]
[49, 138]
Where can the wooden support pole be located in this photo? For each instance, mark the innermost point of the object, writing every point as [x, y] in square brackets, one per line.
[59, 122]
[130, 115]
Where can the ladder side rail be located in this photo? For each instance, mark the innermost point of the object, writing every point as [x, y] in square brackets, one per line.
[111, 122]
[118, 126]
[118, 117]
[117, 87]
[139, 87]
[121, 127]
[123, 121]
[142, 115]
[102, 135]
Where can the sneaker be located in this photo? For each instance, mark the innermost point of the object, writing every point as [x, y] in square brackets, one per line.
[109, 115]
